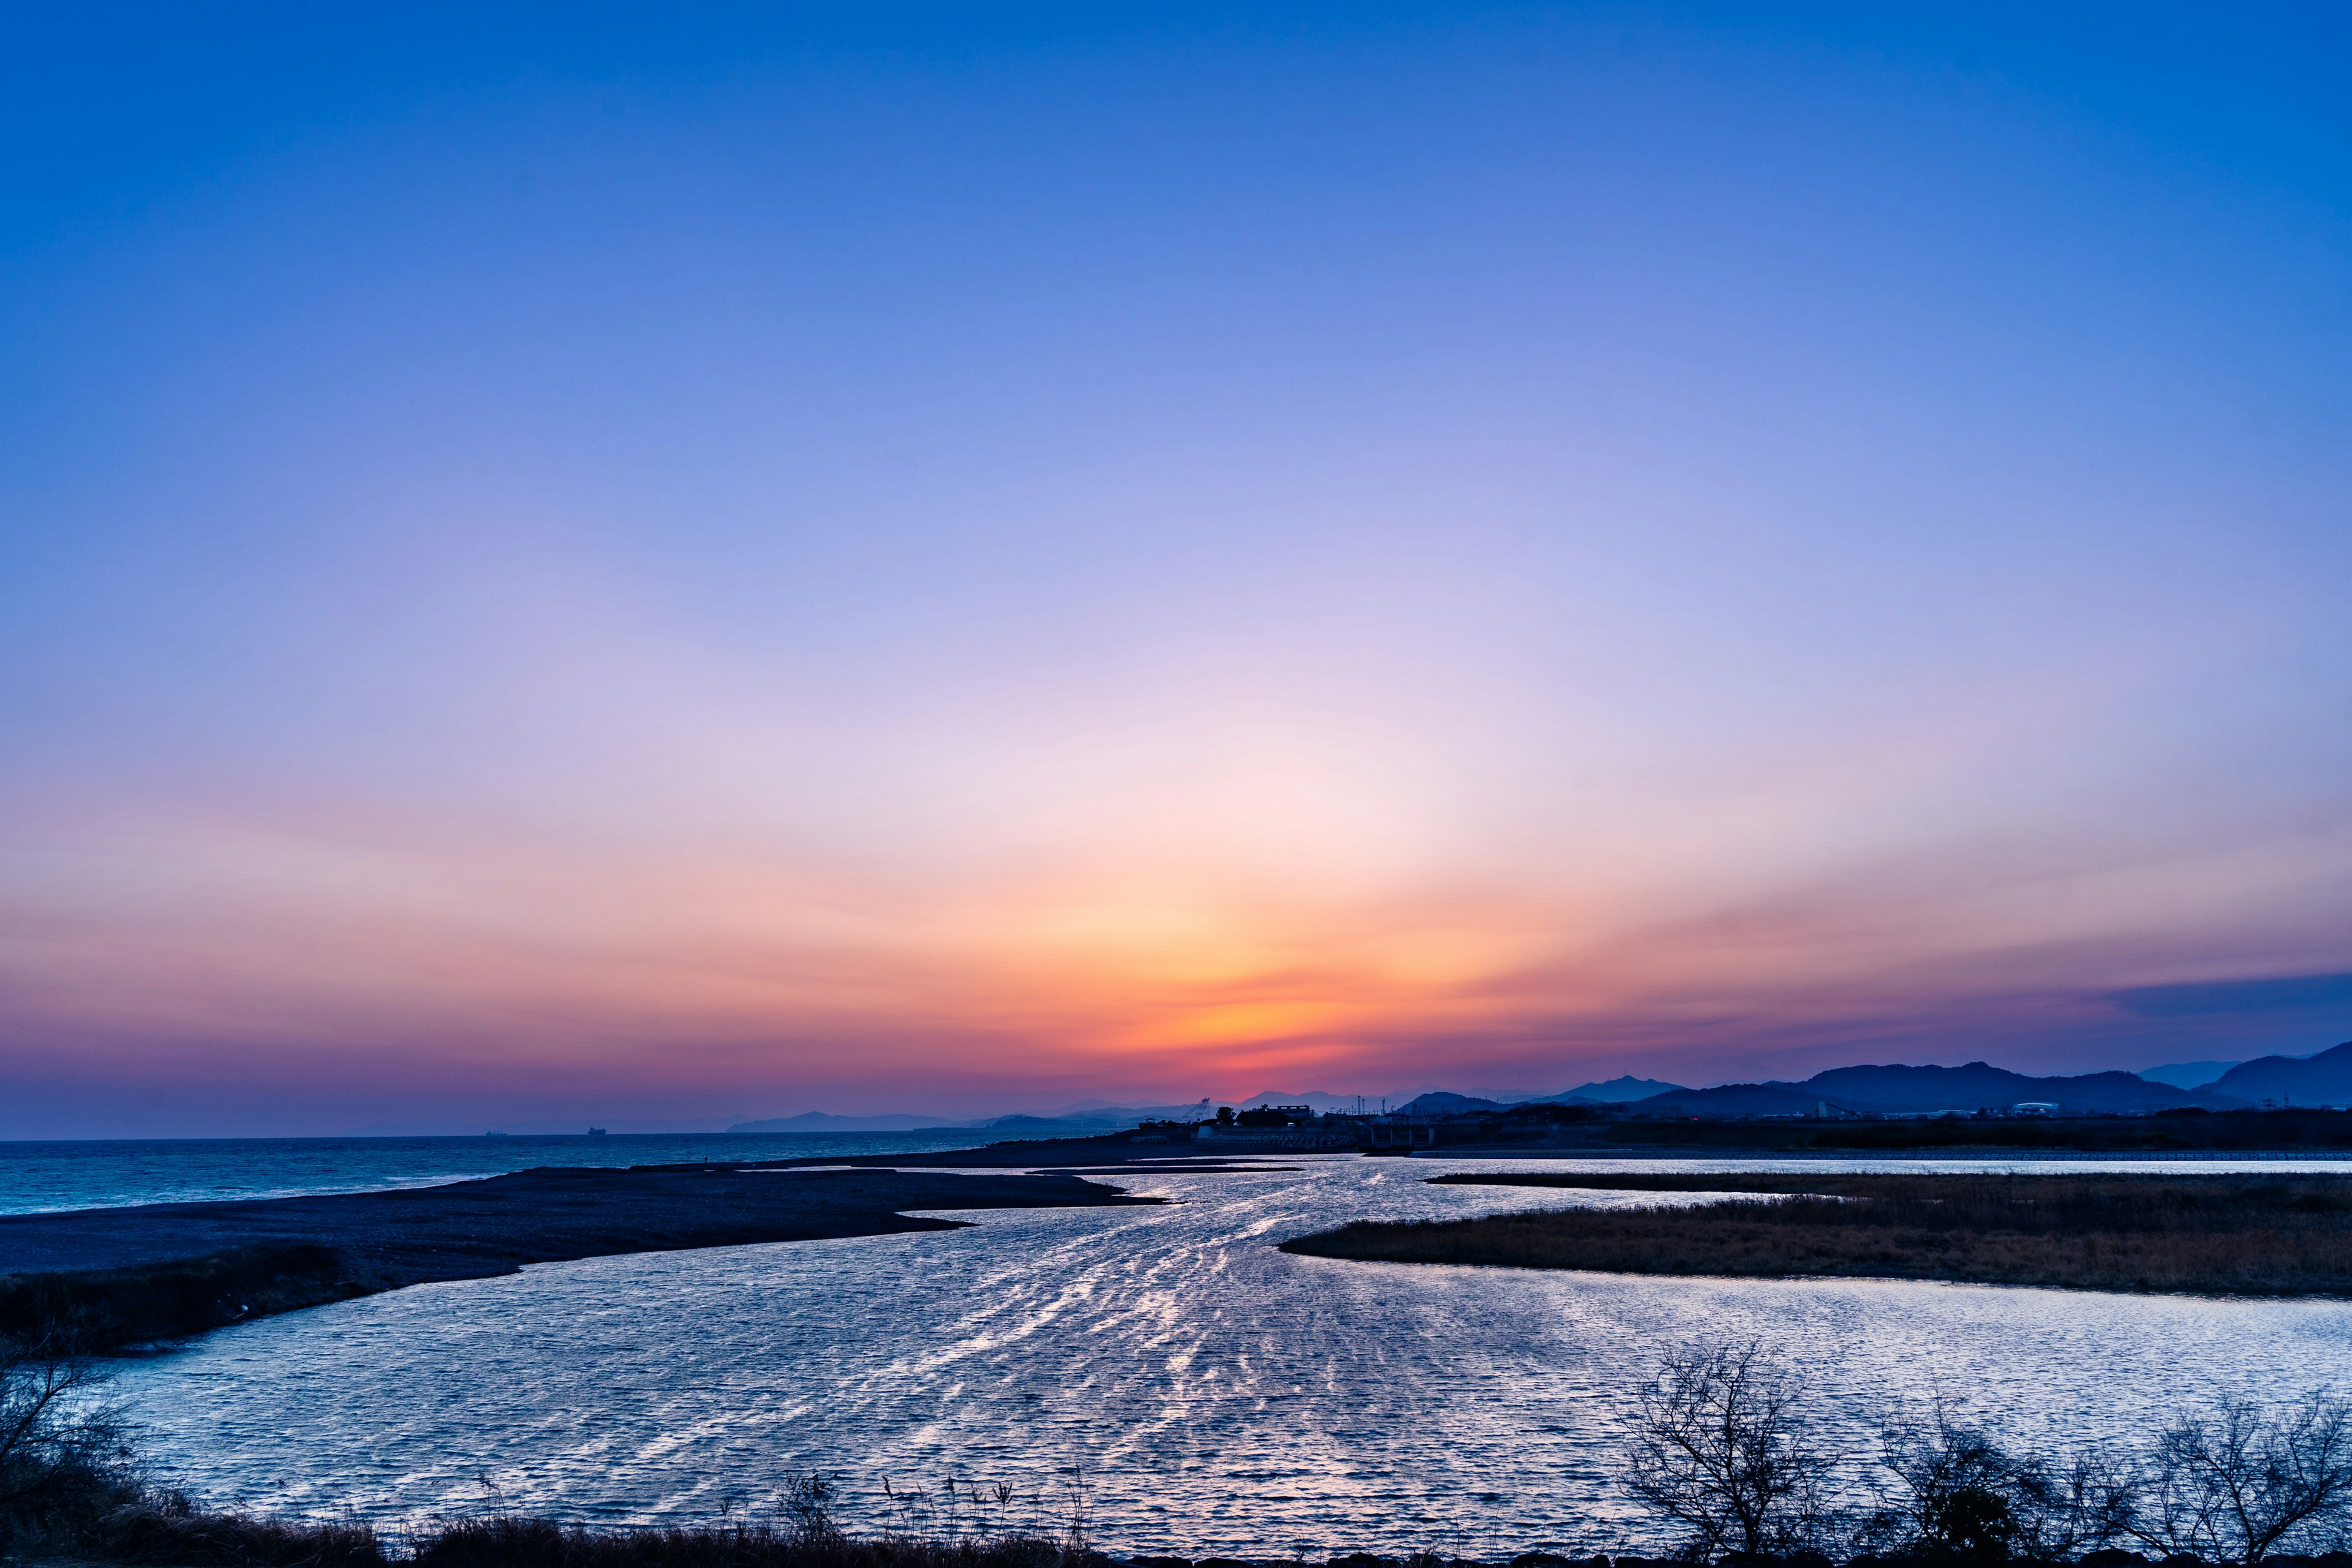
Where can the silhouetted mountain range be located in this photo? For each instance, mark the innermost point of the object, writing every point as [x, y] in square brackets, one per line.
[1736, 1099]
[1087, 1116]
[1437, 1102]
[824, 1121]
[1616, 1091]
[2185, 1075]
[1976, 1087]
[1625, 1090]
[2322, 1079]
[2315, 1081]
[1314, 1098]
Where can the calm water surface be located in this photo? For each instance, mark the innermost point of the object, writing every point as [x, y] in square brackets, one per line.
[1214, 1393]
[36, 1177]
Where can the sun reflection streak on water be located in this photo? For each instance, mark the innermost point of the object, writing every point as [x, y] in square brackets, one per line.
[1217, 1394]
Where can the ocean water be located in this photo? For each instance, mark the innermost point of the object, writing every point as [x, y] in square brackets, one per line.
[1203, 1392]
[36, 1177]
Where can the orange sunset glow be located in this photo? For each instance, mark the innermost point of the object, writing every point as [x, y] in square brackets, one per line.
[870, 591]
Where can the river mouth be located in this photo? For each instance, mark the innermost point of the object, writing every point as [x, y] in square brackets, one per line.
[1212, 1394]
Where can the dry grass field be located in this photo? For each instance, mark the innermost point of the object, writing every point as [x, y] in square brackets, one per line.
[2239, 1235]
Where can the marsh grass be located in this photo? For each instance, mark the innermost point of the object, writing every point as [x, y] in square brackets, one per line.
[166, 1532]
[2179, 1131]
[166, 1300]
[517, 1542]
[2204, 1234]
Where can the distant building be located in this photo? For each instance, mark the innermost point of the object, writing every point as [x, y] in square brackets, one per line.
[1161, 1133]
[2035, 1108]
[1281, 1127]
[1267, 1116]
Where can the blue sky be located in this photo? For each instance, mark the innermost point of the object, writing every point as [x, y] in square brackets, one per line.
[743, 562]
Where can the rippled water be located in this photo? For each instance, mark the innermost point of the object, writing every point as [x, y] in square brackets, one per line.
[1217, 1394]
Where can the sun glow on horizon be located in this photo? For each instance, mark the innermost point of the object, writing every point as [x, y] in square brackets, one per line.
[1082, 561]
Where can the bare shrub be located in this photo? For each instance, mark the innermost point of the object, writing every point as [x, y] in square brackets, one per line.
[2241, 1483]
[1718, 1449]
[1962, 1496]
[2238, 1484]
[1959, 1493]
[63, 1458]
[68, 1486]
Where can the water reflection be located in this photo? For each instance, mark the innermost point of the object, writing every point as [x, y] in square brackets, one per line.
[1218, 1394]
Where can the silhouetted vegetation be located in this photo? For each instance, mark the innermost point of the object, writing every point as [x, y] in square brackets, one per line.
[62, 1455]
[2183, 1130]
[2209, 1235]
[1952, 1493]
[69, 1488]
[1720, 1452]
[1716, 1449]
[164, 1530]
[184, 1296]
[538, 1543]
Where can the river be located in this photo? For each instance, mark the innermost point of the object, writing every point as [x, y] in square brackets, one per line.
[1201, 1390]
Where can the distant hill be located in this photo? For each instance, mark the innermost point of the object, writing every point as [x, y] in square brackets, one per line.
[824, 1121]
[1112, 1116]
[1047, 1126]
[1089, 1116]
[1979, 1086]
[539, 1128]
[2322, 1079]
[1616, 1091]
[1110, 1111]
[1323, 1104]
[1976, 1087]
[1734, 1100]
[2187, 1074]
[1437, 1102]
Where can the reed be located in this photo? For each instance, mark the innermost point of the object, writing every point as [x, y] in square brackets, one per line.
[2241, 1235]
[165, 1531]
[169, 1300]
[522, 1543]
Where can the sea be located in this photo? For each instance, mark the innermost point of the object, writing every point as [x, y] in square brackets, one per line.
[1163, 1375]
[38, 1177]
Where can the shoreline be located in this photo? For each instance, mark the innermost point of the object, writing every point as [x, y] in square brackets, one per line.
[107, 1278]
[140, 1274]
[1115, 1154]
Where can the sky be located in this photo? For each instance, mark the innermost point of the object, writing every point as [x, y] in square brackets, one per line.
[675, 564]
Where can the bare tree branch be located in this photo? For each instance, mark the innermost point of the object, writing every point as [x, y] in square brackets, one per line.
[1718, 1448]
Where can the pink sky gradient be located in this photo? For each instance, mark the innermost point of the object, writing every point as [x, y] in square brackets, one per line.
[674, 575]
